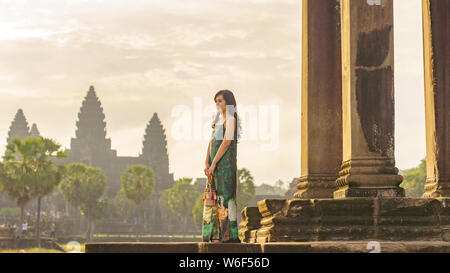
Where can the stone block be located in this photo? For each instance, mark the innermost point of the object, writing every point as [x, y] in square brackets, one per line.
[352, 219]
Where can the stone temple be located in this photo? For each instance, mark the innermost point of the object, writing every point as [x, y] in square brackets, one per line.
[349, 186]
[91, 147]
[349, 195]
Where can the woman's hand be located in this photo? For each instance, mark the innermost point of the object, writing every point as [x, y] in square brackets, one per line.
[207, 166]
[211, 169]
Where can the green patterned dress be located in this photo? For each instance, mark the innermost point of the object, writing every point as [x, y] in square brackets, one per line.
[220, 223]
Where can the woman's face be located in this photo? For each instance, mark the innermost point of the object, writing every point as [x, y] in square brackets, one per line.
[221, 104]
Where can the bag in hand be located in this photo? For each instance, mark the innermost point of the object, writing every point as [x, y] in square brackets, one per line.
[209, 195]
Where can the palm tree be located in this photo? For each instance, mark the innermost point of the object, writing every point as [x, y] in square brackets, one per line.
[83, 186]
[47, 174]
[17, 172]
[28, 171]
[182, 197]
[138, 183]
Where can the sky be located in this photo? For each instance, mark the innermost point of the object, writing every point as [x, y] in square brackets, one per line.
[170, 57]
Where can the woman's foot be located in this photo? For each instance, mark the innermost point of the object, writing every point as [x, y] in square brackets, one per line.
[215, 241]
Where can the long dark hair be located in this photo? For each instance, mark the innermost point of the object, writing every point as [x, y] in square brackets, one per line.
[228, 96]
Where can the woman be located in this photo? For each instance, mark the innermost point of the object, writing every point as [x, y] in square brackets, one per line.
[220, 222]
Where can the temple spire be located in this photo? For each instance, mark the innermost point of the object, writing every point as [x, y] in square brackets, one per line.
[91, 91]
[90, 146]
[91, 123]
[34, 132]
[19, 127]
[155, 145]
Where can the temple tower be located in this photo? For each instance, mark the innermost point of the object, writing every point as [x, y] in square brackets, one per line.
[19, 127]
[154, 152]
[90, 146]
[34, 132]
[155, 155]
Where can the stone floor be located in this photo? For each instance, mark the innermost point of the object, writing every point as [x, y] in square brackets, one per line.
[294, 247]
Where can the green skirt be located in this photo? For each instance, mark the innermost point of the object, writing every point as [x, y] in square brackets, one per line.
[220, 221]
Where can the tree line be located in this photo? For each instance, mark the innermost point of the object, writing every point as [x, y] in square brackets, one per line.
[30, 171]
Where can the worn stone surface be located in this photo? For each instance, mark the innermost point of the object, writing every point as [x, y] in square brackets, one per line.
[351, 219]
[384, 247]
[437, 95]
[368, 164]
[251, 220]
[229, 248]
[293, 247]
[141, 247]
[321, 99]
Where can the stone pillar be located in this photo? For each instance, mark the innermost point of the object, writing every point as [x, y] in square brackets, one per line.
[321, 99]
[437, 96]
[368, 167]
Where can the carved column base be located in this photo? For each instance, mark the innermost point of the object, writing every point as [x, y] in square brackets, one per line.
[368, 192]
[437, 188]
[352, 219]
[369, 177]
[316, 187]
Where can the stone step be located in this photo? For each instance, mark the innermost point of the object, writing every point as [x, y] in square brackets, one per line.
[288, 247]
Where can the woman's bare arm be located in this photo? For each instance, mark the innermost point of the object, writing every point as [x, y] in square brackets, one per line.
[207, 154]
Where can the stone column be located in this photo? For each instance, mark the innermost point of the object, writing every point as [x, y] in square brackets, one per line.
[321, 99]
[368, 167]
[437, 96]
